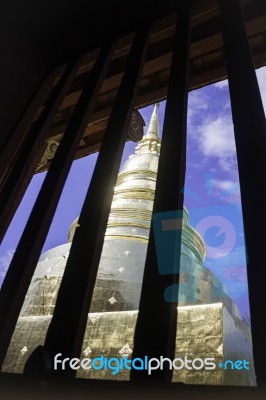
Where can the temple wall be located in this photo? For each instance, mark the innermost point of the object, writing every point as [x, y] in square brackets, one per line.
[203, 331]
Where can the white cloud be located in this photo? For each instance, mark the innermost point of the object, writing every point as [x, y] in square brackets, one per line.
[221, 84]
[226, 190]
[233, 266]
[215, 135]
[197, 103]
[261, 76]
[229, 186]
[223, 185]
[215, 138]
[4, 263]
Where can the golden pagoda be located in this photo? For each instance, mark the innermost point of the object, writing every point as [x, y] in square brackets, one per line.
[209, 323]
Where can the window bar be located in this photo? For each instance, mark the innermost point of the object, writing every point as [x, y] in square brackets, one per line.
[156, 323]
[250, 138]
[68, 325]
[25, 259]
[31, 151]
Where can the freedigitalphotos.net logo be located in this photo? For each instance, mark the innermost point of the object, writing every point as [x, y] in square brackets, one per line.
[147, 364]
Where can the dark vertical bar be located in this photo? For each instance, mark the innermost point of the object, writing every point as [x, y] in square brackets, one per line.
[156, 324]
[67, 328]
[10, 149]
[250, 137]
[25, 259]
[9, 146]
[31, 151]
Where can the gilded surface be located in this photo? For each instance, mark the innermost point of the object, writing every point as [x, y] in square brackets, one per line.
[52, 145]
[202, 331]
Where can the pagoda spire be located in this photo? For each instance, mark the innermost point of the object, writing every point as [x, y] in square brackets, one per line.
[153, 129]
[151, 142]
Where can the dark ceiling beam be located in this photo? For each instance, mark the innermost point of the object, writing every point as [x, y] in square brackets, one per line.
[207, 65]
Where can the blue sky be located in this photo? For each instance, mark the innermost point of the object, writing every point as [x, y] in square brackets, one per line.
[212, 194]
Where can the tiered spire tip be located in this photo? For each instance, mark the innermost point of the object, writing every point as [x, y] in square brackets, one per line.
[153, 129]
[150, 143]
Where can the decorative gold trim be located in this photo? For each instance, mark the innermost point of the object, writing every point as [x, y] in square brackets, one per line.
[119, 237]
[112, 224]
[147, 173]
[196, 239]
[190, 238]
[133, 213]
[194, 250]
[143, 194]
[49, 153]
